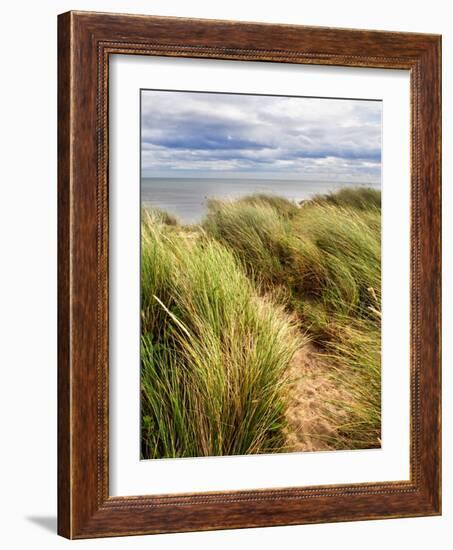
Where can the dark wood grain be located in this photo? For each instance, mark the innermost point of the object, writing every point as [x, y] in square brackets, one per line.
[85, 42]
[64, 367]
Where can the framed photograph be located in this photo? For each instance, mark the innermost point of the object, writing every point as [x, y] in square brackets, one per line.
[249, 275]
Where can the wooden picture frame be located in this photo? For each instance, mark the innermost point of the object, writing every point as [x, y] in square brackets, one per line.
[85, 41]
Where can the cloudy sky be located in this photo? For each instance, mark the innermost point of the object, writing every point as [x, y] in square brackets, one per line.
[187, 134]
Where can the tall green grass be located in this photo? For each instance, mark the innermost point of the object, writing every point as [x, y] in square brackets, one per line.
[362, 198]
[325, 257]
[214, 354]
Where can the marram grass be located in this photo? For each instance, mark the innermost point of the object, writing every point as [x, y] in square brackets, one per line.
[214, 354]
[325, 257]
[225, 306]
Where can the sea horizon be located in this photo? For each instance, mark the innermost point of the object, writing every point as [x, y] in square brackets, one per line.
[189, 204]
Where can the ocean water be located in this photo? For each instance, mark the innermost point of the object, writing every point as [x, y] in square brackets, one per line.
[187, 197]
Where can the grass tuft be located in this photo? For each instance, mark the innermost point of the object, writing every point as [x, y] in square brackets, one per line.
[161, 216]
[214, 354]
[362, 198]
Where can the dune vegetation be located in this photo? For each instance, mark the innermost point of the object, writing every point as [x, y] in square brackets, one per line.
[228, 305]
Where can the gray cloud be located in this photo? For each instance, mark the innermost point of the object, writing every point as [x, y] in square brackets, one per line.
[203, 134]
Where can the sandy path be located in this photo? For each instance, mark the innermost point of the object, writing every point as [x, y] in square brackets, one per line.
[315, 412]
